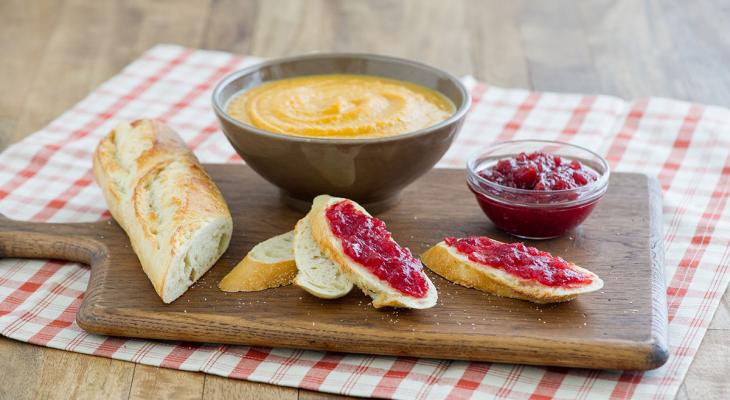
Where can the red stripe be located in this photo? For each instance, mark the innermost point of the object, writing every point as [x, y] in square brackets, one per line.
[509, 383]
[19, 295]
[631, 125]
[249, 362]
[142, 352]
[58, 289]
[576, 118]
[700, 240]
[179, 355]
[321, 370]
[549, 383]
[671, 231]
[284, 365]
[361, 370]
[66, 319]
[518, 119]
[470, 380]
[10, 272]
[53, 206]
[41, 158]
[477, 92]
[109, 346]
[394, 377]
[200, 89]
[626, 385]
[679, 147]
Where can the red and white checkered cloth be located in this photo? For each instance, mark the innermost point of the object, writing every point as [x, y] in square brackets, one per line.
[46, 177]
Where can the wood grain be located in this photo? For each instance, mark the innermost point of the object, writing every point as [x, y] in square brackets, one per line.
[89, 379]
[630, 58]
[621, 327]
[217, 388]
[152, 382]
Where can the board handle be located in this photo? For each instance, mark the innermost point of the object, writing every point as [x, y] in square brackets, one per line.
[79, 242]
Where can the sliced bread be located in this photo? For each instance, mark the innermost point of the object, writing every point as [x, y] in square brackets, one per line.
[448, 262]
[318, 274]
[383, 293]
[268, 265]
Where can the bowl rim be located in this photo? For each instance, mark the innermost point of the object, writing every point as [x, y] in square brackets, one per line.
[455, 117]
[590, 192]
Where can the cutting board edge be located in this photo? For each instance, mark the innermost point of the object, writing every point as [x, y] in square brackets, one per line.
[596, 354]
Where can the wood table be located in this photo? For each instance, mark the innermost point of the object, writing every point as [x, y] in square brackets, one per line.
[56, 51]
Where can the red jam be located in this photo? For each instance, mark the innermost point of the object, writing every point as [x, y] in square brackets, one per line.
[534, 223]
[520, 260]
[539, 171]
[366, 240]
[553, 194]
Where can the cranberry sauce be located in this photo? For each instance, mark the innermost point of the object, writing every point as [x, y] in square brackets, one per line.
[531, 222]
[537, 195]
[539, 171]
[519, 260]
[366, 240]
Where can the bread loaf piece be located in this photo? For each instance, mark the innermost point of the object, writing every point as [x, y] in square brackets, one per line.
[176, 218]
[268, 265]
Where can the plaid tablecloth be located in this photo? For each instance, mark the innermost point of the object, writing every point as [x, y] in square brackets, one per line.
[47, 177]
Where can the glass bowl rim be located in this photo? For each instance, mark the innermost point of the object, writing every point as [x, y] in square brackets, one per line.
[589, 191]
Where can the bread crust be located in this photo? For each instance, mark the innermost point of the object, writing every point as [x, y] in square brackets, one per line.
[251, 275]
[455, 267]
[382, 294]
[167, 204]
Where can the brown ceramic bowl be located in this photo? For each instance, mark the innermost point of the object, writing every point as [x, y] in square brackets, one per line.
[369, 171]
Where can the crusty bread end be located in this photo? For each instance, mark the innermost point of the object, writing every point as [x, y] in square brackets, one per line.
[268, 265]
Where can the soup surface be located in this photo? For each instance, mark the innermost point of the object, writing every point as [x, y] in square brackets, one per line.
[340, 106]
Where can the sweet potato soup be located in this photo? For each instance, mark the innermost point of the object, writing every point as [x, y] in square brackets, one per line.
[340, 106]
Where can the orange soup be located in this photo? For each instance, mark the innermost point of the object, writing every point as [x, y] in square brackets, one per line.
[340, 106]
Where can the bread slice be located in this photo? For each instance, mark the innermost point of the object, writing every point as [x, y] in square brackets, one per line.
[382, 293]
[456, 267]
[268, 265]
[317, 274]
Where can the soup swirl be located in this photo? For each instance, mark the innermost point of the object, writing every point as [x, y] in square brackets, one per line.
[340, 106]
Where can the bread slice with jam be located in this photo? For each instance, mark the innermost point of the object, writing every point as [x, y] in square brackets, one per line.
[509, 270]
[369, 257]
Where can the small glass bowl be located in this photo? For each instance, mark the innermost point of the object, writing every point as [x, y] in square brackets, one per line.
[536, 214]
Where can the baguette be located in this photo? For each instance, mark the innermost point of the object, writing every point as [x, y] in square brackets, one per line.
[176, 218]
[268, 265]
[382, 292]
[446, 261]
[318, 274]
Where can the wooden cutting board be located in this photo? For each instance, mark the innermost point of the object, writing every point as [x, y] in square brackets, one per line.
[623, 326]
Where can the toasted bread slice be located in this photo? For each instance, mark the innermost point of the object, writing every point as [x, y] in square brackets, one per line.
[268, 265]
[383, 294]
[458, 268]
[317, 274]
